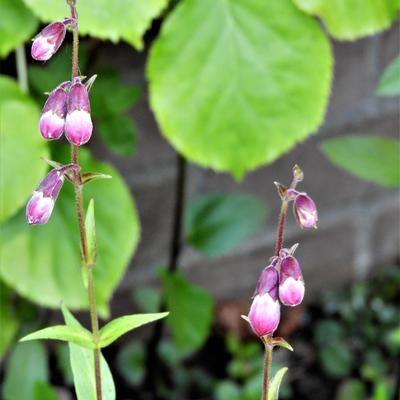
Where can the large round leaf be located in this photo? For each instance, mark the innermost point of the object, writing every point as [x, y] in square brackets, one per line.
[21, 147]
[234, 84]
[105, 19]
[42, 262]
[351, 19]
[17, 24]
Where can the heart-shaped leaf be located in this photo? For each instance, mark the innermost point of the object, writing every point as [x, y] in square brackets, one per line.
[235, 84]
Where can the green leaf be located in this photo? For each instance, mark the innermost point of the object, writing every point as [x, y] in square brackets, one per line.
[273, 392]
[351, 389]
[63, 364]
[227, 390]
[104, 19]
[191, 311]
[278, 341]
[131, 360]
[389, 85]
[90, 227]
[336, 359]
[352, 19]
[118, 133]
[42, 263]
[17, 25]
[26, 366]
[77, 335]
[44, 391]
[119, 326]
[217, 223]
[8, 321]
[82, 364]
[233, 86]
[20, 150]
[147, 299]
[374, 159]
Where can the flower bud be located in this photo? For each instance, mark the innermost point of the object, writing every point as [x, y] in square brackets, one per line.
[78, 124]
[305, 211]
[48, 41]
[264, 313]
[291, 282]
[41, 204]
[52, 120]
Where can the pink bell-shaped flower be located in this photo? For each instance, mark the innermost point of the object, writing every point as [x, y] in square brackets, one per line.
[305, 211]
[291, 282]
[48, 41]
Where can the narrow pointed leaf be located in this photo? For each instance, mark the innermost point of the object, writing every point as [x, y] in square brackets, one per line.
[278, 341]
[82, 364]
[273, 392]
[73, 334]
[91, 176]
[117, 327]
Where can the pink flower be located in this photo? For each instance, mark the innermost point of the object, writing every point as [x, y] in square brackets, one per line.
[78, 124]
[305, 211]
[291, 282]
[48, 41]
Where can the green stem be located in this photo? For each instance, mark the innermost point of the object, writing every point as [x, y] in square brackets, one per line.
[267, 368]
[22, 71]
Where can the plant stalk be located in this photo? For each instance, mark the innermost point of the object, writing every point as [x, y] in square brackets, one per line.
[22, 71]
[267, 368]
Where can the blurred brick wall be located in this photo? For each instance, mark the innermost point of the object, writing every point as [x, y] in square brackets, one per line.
[359, 222]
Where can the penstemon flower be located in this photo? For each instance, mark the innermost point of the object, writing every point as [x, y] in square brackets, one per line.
[305, 211]
[291, 282]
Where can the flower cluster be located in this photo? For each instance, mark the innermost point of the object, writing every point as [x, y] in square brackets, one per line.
[282, 280]
[67, 109]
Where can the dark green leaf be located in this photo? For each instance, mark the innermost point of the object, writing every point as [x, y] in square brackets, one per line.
[8, 320]
[375, 159]
[148, 299]
[389, 85]
[336, 359]
[17, 25]
[191, 311]
[131, 360]
[351, 389]
[327, 331]
[227, 390]
[216, 223]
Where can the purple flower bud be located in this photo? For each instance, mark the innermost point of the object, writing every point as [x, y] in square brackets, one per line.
[48, 41]
[305, 211]
[78, 124]
[264, 313]
[41, 204]
[291, 282]
[52, 120]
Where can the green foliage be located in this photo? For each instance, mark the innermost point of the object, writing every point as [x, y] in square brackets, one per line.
[131, 362]
[191, 309]
[26, 367]
[374, 159]
[352, 19]
[389, 85]
[17, 25]
[104, 19]
[44, 391]
[42, 262]
[21, 148]
[273, 392]
[233, 86]
[82, 364]
[336, 359]
[9, 322]
[73, 334]
[216, 223]
[352, 389]
[148, 299]
[119, 326]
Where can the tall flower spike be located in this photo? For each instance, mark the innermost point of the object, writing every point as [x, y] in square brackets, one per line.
[305, 211]
[52, 120]
[49, 40]
[291, 282]
[264, 313]
[41, 204]
[78, 124]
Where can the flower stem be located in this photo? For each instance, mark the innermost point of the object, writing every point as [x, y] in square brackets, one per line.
[22, 72]
[281, 226]
[267, 367]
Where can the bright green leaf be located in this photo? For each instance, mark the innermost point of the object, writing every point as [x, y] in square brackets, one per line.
[43, 262]
[8, 321]
[16, 26]
[20, 150]
[273, 392]
[44, 391]
[216, 223]
[119, 326]
[351, 19]
[26, 366]
[191, 311]
[351, 389]
[375, 159]
[71, 334]
[234, 86]
[82, 364]
[90, 227]
[118, 133]
[389, 85]
[104, 19]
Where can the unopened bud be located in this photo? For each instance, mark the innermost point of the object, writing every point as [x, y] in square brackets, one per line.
[78, 124]
[41, 204]
[52, 120]
[264, 313]
[305, 211]
[291, 282]
[48, 41]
